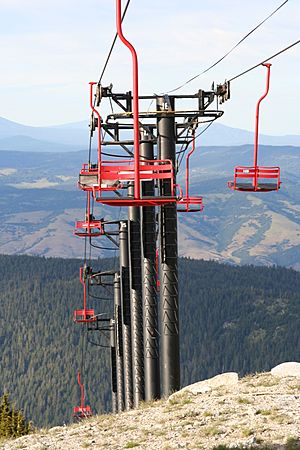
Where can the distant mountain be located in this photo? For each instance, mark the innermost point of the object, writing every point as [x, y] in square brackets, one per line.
[81, 125]
[40, 202]
[76, 135]
[29, 144]
[219, 134]
[70, 134]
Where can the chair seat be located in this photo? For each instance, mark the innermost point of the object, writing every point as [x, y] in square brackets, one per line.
[84, 316]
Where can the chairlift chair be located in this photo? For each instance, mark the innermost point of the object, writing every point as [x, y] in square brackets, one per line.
[90, 227]
[115, 175]
[257, 178]
[84, 315]
[83, 411]
[189, 203]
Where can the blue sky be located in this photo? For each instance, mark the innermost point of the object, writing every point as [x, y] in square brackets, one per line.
[50, 50]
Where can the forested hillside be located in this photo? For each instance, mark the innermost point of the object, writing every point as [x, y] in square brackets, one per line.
[232, 318]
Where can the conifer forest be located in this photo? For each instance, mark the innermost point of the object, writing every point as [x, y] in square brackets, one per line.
[243, 319]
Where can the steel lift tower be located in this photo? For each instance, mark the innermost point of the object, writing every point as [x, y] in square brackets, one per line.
[166, 128]
[144, 329]
[143, 178]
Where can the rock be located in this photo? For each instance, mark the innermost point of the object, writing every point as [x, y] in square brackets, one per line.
[55, 429]
[201, 387]
[286, 369]
[224, 379]
[197, 388]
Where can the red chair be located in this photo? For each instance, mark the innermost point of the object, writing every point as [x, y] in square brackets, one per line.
[90, 227]
[83, 411]
[84, 315]
[257, 178]
[189, 203]
[115, 175]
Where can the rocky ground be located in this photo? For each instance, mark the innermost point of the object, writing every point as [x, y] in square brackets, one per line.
[260, 411]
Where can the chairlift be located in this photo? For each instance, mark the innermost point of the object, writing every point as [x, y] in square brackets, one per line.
[83, 411]
[84, 315]
[257, 178]
[189, 203]
[89, 227]
[115, 175]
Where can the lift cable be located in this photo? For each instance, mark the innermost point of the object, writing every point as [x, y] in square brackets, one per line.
[98, 345]
[101, 247]
[113, 44]
[206, 128]
[83, 344]
[115, 254]
[197, 135]
[182, 151]
[239, 75]
[230, 51]
[265, 60]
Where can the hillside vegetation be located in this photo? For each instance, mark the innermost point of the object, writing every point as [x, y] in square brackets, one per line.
[259, 412]
[40, 202]
[243, 319]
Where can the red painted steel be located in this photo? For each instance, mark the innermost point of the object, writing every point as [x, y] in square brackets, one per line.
[90, 227]
[116, 173]
[84, 315]
[124, 170]
[83, 410]
[135, 95]
[129, 201]
[194, 203]
[262, 174]
[257, 178]
[268, 66]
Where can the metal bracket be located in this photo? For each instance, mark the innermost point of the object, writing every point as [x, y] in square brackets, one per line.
[223, 91]
[101, 92]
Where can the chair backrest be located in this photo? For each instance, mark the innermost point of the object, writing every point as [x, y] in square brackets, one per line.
[259, 172]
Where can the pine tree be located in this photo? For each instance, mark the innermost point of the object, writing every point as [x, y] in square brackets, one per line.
[5, 417]
[14, 416]
[12, 421]
[21, 427]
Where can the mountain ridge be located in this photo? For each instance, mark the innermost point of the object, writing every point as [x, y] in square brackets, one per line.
[77, 133]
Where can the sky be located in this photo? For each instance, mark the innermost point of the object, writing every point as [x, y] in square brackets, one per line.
[51, 49]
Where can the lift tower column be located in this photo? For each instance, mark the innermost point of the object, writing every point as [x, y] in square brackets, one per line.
[136, 298]
[118, 343]
[151, 339]
[126, 312]
[113, 362]
[169, 304]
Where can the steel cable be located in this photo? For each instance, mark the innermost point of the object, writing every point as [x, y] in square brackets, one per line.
[264, 61]
[230, 51]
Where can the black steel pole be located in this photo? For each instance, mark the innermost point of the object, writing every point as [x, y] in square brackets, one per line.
[136, 298]
[126, 313]
[151, 337]
[118, 338]
[113, 361]
[169, 305]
